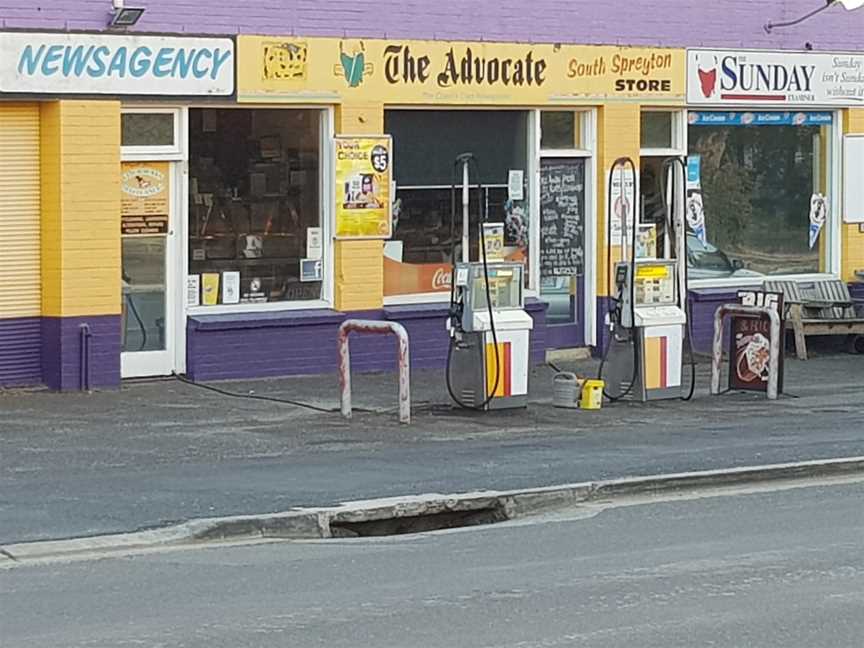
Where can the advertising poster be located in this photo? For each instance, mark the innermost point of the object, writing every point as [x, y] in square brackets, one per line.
[818, 216]
[493, 235]
[695, 206]
[145, 198]
[621, 206]
[364, 174]
[750, 342]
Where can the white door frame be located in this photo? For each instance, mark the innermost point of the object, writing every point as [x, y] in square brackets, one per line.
[588, 152]
[173, 357]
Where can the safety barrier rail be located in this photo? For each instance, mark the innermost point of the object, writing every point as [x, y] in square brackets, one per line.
[774, 344]
[382, 328]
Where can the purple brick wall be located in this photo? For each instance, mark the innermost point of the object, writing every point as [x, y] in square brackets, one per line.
[62, 357]
[223, 347]
[20, 351]
[722, 23]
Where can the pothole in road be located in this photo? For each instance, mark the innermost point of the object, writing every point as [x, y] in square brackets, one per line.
[417, 523]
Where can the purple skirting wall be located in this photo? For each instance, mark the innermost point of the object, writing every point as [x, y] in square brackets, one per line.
[48, 350]
[223, 347]
[20, 351]
[66, 365]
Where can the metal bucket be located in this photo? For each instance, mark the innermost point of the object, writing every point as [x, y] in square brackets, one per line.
[565, 390]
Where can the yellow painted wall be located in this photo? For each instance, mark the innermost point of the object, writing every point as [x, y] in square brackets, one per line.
[852, 243]
[618, 136]
[359, 265]
[80, 208]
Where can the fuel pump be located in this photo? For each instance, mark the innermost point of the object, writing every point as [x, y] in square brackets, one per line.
[489, 355]
[645, 353]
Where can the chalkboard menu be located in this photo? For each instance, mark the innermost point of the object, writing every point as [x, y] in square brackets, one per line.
[562, 226]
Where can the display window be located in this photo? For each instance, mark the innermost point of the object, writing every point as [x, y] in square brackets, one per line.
[426, 145]
[255, 231]
[758, 193]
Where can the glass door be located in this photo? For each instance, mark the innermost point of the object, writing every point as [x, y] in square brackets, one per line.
[562, 249]
[148, 215]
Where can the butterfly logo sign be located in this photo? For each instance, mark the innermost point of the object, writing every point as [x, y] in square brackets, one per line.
[352, 64]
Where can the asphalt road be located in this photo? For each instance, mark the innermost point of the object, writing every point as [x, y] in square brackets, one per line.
[773, 568]
[76, 465]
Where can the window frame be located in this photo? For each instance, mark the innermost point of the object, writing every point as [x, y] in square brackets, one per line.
[173, 152]
[833, 244]
[326, 212]
[679, 133]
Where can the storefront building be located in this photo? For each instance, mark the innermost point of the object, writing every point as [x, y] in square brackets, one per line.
[174, 204]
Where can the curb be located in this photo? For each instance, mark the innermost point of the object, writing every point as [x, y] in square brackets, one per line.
[326, 522]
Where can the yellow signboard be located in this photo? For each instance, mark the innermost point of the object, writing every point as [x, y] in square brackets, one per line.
[329, 70]
[363, 178]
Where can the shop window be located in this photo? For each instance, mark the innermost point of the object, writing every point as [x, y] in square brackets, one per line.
[254, 212]
[755, 175]
[147, 129]
[426, 145]
[657, 129]
[562, 130]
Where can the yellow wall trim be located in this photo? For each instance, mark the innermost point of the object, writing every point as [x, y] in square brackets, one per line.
[359, 265]
[618, 131]
[852, 241]
[81, 208]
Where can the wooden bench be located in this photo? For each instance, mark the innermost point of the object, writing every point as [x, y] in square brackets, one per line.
[819, 307]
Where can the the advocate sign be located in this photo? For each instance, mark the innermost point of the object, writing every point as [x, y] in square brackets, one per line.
[116, 65]
[724, 77]
[329, 70]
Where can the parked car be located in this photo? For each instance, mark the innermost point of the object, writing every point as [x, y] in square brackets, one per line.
[704, 261]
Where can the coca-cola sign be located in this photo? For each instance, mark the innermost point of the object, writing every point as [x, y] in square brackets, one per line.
[441, 279]
[724, 77]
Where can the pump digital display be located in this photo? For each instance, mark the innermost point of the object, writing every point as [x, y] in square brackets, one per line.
[655, 285]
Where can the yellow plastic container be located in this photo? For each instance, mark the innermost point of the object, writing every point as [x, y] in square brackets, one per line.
[592, 395]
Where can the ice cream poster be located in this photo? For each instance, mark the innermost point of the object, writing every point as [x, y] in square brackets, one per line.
[818, 216]
[750, 352]
[695, 207]
[363, 187]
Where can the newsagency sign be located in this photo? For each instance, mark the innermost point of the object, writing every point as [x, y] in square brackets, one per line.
[724, 77]
[116, 65]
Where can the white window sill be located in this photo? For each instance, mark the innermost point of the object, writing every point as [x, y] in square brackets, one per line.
[251, 309]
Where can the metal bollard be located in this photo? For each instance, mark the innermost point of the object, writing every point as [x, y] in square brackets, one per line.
[379, 327]
[773, 350]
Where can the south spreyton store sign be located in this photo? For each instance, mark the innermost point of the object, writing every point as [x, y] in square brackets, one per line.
[747, 77]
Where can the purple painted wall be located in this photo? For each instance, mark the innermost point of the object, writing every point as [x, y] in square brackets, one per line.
[722, 23]
[223, 347]
[20, 351]
[62, 358]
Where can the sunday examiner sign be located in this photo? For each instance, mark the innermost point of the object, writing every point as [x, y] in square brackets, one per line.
[724, 77]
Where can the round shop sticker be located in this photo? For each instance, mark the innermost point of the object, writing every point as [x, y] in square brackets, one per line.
[380, 158]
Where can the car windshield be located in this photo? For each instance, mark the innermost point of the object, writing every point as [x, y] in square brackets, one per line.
[706, 256]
